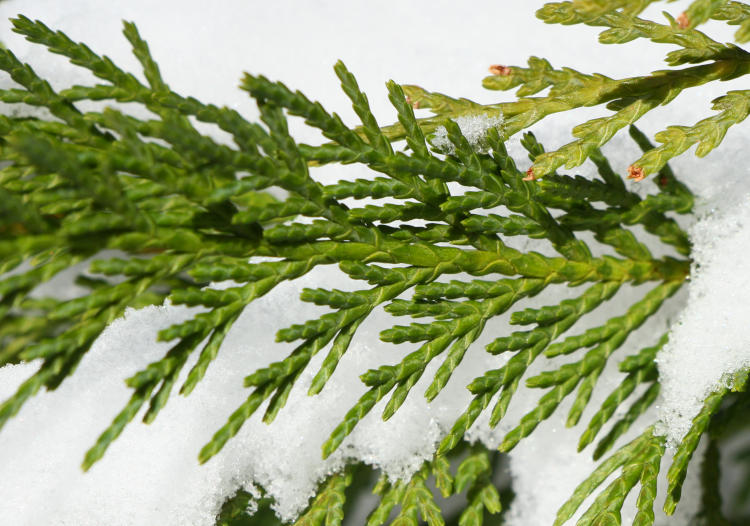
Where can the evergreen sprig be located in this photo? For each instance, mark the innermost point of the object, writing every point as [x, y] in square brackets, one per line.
[639, 462]
[157, 211]
[413, 502]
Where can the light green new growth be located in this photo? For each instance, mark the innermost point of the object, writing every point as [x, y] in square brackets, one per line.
[185, 211]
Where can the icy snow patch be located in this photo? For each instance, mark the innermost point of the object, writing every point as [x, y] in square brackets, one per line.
[710, 340]
[473, 127]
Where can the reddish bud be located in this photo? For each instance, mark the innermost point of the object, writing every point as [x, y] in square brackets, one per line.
[683, 21]
[497, 69]
[635, 173]
[530, 175]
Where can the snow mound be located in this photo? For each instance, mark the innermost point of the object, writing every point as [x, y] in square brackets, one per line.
[710, 339]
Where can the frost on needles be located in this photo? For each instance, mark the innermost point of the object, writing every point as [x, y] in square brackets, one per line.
[151, 212]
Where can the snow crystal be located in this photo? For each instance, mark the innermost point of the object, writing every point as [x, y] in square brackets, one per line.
[473, 127]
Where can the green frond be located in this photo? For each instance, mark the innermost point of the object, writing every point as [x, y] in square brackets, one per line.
[591, 135]
[624, 27]
[600, 7]
[630, 98]
[707, 134]
[438, 103]
[363, 406]
[711, 502]
[415, 139]
[391, 495]
[641, 368]
[529, 344]
[413, 500]
[207, 355]
[701, 11]
[623, 424]
[736, 14]
[142, 53]
[418, 502]
[639, 461]
[443, 479]
[635, 316]
[327, 508]
[539, 75]
[362, 108]
[474, 474]
[689, 443]
[137, 399]
[567, 377]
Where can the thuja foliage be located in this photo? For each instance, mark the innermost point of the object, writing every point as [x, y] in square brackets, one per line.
[183, 210]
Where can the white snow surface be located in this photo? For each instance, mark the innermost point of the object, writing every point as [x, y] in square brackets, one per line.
[150, 475]
[710, 339]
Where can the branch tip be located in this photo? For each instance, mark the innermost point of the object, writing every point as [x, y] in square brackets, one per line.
[497, 69]
[635, 173]
[683, 21]
[530, 175]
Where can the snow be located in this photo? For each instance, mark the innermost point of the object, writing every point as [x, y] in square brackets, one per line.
[150, 475]
[473, 127]
[710, 340]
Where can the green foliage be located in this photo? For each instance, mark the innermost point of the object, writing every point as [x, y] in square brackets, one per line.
[736, 14]
[183, 211]
[464, 476]
[639, 462]
[630, 98]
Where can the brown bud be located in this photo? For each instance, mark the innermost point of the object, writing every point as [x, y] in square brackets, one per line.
[530, 175]
[635, 173]
[412, 103]
[683, 21]
[497, 69]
